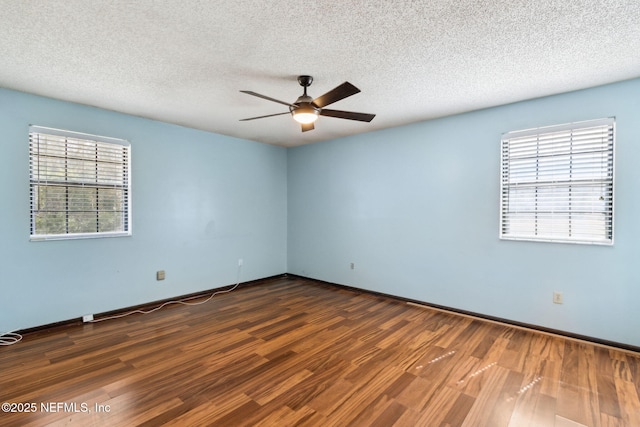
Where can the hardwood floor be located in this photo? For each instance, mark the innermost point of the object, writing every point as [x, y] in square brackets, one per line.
[295, 352]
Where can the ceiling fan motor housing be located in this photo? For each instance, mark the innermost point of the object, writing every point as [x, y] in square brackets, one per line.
[304, 110]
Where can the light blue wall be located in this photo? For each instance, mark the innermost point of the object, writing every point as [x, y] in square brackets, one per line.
[200, 202]
[416, 208]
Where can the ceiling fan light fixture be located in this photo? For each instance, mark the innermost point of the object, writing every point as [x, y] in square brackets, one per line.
[305, 115]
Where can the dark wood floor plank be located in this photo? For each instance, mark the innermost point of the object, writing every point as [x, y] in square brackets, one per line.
[459, 410]
[390, 415]
[607, 396]
[488, 399]
[629, 402]
[444, 402]
[294, 351]
[327, 401]
[502, 412]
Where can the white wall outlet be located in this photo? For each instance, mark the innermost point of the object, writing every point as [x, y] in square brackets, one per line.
[87, 318]
[557, 298]
[240, 262]
[160, 275]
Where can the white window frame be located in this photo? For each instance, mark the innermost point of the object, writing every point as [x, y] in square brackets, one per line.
[557, 183]
[109, 174]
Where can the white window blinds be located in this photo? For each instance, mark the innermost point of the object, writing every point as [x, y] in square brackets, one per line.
[79, 185]
[557, 183]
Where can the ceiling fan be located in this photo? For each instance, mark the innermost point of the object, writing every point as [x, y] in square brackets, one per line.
[305, 110]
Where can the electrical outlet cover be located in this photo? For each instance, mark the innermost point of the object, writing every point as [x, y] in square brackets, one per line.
[557, 298]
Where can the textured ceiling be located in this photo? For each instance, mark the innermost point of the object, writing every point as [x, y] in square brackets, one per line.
[185, 61]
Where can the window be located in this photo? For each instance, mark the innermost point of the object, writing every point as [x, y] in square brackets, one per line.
[557, 183]
[79, 185]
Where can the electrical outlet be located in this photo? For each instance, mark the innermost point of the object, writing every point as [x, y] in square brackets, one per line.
[557, 298]
[240, 262]
[87, 318]
[160, 275]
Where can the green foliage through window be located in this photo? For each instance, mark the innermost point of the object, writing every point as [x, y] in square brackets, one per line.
[79, 185]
